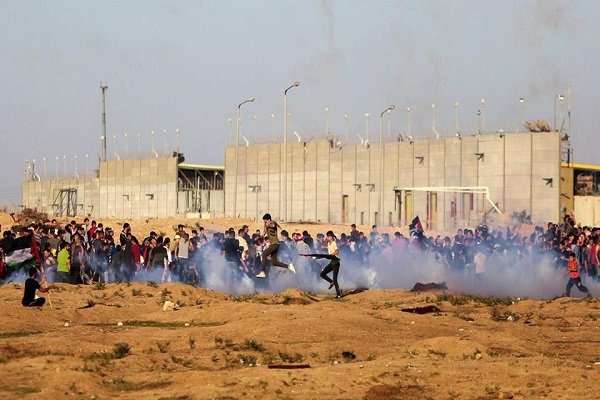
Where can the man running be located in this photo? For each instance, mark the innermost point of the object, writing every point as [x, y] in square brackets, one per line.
[270, 233]
[575, 279]
[334, 264]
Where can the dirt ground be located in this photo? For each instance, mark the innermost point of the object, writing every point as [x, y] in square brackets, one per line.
[115, 341]
[360, 347]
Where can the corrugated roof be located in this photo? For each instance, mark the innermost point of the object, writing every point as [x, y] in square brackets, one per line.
[203, 167]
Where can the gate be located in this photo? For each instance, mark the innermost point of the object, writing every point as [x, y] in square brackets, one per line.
[65, 202]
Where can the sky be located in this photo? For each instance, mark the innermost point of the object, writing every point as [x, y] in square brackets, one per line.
[187, 65]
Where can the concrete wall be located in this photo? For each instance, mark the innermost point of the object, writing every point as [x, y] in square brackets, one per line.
[123, 189]
[588, 210]
[515, 167]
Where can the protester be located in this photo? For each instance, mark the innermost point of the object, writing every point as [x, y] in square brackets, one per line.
[63, 269]
[270, 233]
[334, 264]
[574, 278]
[31, 285]
[474, 254]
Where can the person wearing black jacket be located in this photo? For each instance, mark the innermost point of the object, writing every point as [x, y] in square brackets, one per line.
[231, 248]
[123, 262]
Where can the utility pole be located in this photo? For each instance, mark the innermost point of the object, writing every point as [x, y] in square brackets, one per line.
[103, 87]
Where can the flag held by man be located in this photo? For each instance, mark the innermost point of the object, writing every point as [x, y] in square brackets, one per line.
[21, 253]
[415, 226]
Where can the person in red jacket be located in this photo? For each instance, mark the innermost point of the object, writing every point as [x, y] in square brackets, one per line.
[573, 271]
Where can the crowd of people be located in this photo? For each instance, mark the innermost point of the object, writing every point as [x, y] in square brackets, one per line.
[83, 253]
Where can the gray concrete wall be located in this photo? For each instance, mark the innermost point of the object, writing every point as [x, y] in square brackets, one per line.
[319, 176]
[123, 189]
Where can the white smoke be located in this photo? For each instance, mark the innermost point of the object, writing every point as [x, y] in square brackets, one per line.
[503, 276]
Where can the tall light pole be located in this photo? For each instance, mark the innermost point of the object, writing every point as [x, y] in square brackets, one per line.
[152, 144]
[165, 141]
[139, 137]
[521, 113]
[230, 125]
[347, 118]
[255, 118]
[560, 98]
[457, 119]
[326, 121]
[126, 146]
[273, 131]
[433, 128]
[76, 172]
[409, 123]
[103, 87]
[389, 114]
[483, 115]
[115, 148]
[237, 145]
[285, 118]
[367, 115]
[387, 110]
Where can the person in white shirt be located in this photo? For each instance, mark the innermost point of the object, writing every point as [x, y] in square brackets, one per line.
[334, 264]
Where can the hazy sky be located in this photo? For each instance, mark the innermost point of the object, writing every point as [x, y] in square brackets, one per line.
[188, 64]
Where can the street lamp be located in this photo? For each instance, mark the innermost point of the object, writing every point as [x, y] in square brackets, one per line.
[273, 131]
[437, 134]
[285, 119]
[389, 114]
[367, 115]
[115, 148]
[560, 98]
[76, 171]
[165, 141]
[230, 124]
[347, 118]
[255, 118]
[521, 112]
[326, 121]
[457, 119]
[409, 122]
[139, 137]
[237, 145]
[482, 116]
[126, 146]
[387, 110]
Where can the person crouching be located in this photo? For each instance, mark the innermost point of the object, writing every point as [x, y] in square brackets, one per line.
[31, 285]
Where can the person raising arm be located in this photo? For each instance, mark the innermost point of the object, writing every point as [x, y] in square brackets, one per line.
[31, 285]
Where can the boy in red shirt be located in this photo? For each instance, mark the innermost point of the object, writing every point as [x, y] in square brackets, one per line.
[575, 279]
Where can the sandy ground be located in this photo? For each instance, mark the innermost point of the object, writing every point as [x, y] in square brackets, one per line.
[361, 347]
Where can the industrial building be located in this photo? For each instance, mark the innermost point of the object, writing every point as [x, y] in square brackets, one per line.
[449, 182]
[130, 188]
